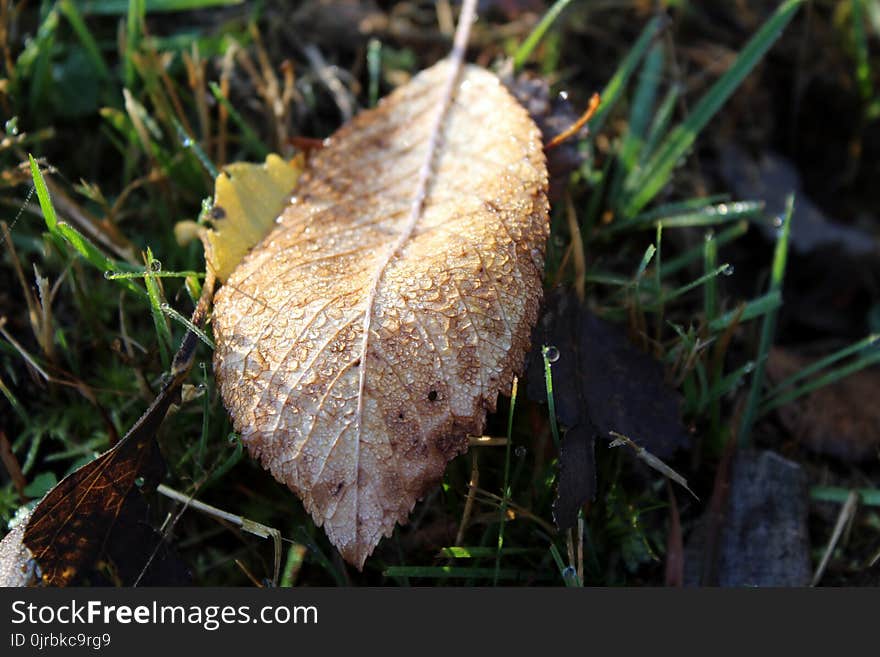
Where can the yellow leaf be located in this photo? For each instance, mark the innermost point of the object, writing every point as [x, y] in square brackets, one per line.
[247, 200]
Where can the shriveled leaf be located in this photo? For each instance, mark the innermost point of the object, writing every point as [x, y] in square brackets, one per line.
[96, 515]
[247, 200]
[370, 332]
[71, 528]
[602, 383]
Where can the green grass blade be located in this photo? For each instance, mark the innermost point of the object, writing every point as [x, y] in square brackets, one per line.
[727, 384]
[74, 17]
[639, 117]
[116, 275]
[505, 496]
[479, 552]
[613, 91]
[134, 30]
[822, 363]
[755, 308]
[532, 41]
[120, 7]
[374, 69]
[660, 123]
[548, 354]
[569, 576]
[154, 293]
[43, 195]
[867, 496]
[768, 328]
[218, 472]
[247, 133]
[667, 210]
[80, 243]
[687, 287]
[448, 572]
[674, 265]
[826, 379]
[188, 142]
[863, 60]
[647, 256]
[173, 314]
[658, 171]
[13, 401]
[710, 264]
[93, 255]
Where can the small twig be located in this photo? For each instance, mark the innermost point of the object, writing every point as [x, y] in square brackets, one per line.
[248, 573]
[9, 460]
[29, 299]
[575, 127]
[469, 501]
[580, 547]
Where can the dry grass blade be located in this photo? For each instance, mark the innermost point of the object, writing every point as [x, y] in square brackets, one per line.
[651, 460]
[250, 526]
[847, 512]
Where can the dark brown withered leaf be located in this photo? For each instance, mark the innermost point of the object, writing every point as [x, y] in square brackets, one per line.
[833, 419]
[97, 513]
[603, 383]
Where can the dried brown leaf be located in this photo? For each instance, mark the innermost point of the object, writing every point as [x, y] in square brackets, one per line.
[833, 419]
[369, 332]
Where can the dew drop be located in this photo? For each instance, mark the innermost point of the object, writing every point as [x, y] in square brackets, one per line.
[520, 452]
[155, 265]
[569, 573]
[777, 221]
[552, 354]
[187, 142]
[727, 270]
[109, 274]
[139, 482]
